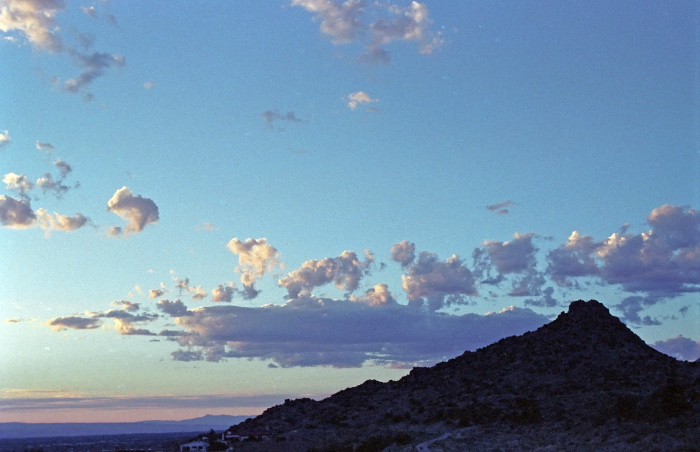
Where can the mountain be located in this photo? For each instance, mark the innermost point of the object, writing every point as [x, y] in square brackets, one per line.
[30, 430]
[582, 382]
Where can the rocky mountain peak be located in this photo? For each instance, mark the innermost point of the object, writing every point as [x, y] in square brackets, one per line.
[584, 372]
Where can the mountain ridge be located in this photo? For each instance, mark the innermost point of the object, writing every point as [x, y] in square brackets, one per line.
[579, 377]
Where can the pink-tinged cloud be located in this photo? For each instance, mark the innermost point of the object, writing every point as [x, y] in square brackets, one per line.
[310, 331]
[223, 293]
[438, 283]
[344, 271]
[358, 98]
[135, 209]
[404, 253]
[58, 222]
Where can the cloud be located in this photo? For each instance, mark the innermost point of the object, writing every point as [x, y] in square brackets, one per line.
[374, 25]
[135, 209]
[344, 271]
[199, 293]
[679, 347]
[127, 305]
[663, 261]
[155, 293]
[93, 65]
[357, 98]
[255, 258]
[16, 213]
[440, 283]
[5, 138]
[19, 183]
[272, 116]
[379, 295]
[311, 331]
[74, 323]
[501, 208]
[35, 20]
[223, 293]
[149, 85]
[90, 11]
[58, 222]
[44, 146]
[173, 308]
[124, 321]
[404, 253]
[48, 184]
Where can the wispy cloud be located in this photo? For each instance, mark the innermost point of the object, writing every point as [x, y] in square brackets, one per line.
[273, 116]
[501, 208]
[74, 323]
[44, 146]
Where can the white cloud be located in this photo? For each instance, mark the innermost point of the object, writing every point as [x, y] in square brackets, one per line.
[19, 183]
[35, 20]
[255, 258]
[58, 222]
[135, 209]
[223, 293]
[374, 25]
[5, 138]
[357, 98]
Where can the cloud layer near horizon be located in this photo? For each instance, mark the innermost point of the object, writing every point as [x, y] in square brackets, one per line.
[374, 327]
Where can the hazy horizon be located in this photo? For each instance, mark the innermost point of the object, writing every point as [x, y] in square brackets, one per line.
[214, 207]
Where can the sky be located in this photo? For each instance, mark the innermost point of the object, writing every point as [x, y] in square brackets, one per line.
[209, 207]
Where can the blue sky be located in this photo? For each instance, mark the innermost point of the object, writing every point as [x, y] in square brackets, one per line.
[210, 207]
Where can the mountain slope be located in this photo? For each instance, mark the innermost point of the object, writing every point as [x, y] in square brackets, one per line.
[579, 378]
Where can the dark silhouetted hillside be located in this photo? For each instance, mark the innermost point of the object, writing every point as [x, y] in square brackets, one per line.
[582, 382]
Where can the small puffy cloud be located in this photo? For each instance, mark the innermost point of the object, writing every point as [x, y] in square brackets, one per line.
[19, 183]
[379, 295]
[513, 256]
[74, 323]
[33, 19]
[135, 209]
[58, 222]
[439, 282]
[149, 85]
[124, 322]
[16, 213]
[199, 293]
[679, 347]
[272, 116]
[4, 138]
[404, 253]
[255, 258]
[344, 271]
[156, 293]
[223, 293]
[339, 21]
[310, 331]
[44, 146]
[501, 208]
[358, 98]
[57, 187]
[173, 308]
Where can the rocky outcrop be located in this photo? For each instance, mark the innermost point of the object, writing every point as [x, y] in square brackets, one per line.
[582, 382]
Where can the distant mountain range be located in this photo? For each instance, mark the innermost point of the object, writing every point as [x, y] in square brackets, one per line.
[200, 425]
[582, 382]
